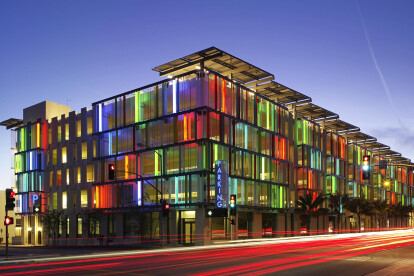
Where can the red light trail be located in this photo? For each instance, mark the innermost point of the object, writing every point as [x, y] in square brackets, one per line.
[253, 259]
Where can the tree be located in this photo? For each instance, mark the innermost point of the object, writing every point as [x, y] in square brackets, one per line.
[309, 207]
[400, 211]
[137, 222]
[380, 209]
[52, 222]
[335, 206]
[405, 211]
[359, 207]
[90, 222]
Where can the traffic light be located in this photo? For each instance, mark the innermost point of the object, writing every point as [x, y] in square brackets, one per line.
[366, 170]
[165, 208]
[8, 220]
[233, 221]
[111, 171]
[10, 199]
[233, 200]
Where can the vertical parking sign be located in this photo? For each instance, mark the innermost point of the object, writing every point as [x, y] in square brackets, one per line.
[221, 183]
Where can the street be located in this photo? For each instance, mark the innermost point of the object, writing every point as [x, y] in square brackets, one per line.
[384, 253]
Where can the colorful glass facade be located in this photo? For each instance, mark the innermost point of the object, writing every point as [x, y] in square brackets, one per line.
[164, 140]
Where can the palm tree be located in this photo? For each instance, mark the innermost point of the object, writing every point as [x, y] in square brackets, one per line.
[359, 207]
[309, 207]
[335, 206]
[400, 211]
[380, 208]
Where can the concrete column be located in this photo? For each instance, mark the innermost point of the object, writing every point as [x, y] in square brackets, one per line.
[202, 228]
[119, 227]
[295, 227]
[257, 225]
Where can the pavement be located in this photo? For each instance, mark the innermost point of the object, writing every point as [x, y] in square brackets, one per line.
[382, 253]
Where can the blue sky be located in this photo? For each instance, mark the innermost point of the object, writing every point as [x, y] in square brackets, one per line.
[78, 52]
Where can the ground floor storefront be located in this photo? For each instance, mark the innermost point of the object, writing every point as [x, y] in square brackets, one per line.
[189, 226]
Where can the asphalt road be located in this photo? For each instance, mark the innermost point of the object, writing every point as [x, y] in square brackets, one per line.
[371, 254]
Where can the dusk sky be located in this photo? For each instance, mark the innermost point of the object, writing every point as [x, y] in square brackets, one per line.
[355, 58]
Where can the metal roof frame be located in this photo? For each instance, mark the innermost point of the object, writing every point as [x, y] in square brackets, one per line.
[216, 60]
[11, 123]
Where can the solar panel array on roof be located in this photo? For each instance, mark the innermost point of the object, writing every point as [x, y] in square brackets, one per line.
[262, 82]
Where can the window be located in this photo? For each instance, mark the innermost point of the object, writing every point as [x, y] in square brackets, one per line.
[59, 134]
[94, 148]
[55, 200]
[84, 150]
[67, 225]
[79, 221]
[51, 179]
[60, 225]
[111, 224]
[84, 198]
[67, 177]
[58, 177]
[67, 131]
[78, 175]
[78, 128]
[64, 157]
[64, 200]
[89, 125]
[90, 176]
[54, 156]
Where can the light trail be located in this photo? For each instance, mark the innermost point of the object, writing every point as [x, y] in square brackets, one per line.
[228, 259]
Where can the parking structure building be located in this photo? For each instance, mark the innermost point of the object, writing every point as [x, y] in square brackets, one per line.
[165, 141]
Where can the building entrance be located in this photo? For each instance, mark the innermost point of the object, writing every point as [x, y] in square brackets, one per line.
[189, 231]
[186, 227]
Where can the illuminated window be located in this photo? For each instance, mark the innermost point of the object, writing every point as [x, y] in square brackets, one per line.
[89, 125]
[78, 175]
[54, 156]
[64, 156]
[67, 177]
[84, 150]
[64, 200]
[78, 128]
[90, 176]
[94, 148]
[67, 131]
[79, 220]
[55, 200]
[59, 134]
[60, 225]
[67, 225]
[51, 179]
[84, 198]
[58, 177]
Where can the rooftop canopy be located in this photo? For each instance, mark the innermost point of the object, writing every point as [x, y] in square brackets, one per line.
[262, 82]
[11, 123]
[218, 61]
